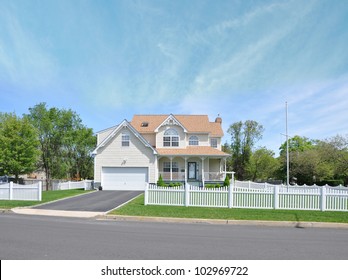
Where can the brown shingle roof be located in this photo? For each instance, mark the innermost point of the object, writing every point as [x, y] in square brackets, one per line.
[193, 123]
[192, 151]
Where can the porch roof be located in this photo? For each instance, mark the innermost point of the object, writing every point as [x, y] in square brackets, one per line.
[192, 151]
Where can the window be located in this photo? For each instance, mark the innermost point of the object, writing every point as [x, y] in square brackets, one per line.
[213, 142]
[166, 166]
[171, 138]
[193, 141]
[125, 140]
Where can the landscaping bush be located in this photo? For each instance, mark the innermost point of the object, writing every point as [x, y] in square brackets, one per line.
[160, 182]
[227, 181]
[331, 182]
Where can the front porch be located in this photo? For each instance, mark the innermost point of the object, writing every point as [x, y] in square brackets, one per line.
[195, 170]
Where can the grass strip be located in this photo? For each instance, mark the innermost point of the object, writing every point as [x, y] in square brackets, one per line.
[47, 196]
[137, 208]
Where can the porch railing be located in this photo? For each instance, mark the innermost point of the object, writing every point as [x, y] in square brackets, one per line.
[176, 176]
[214, 176]
[180, 176]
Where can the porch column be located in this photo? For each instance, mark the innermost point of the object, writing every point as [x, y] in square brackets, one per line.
[225, 167]
[185, 170]
[156, 170]
[203, 179]
[171, 167]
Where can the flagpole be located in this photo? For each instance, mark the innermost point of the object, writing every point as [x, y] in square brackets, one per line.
[287, 144]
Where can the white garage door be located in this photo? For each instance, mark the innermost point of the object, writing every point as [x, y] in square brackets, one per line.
[124, 178]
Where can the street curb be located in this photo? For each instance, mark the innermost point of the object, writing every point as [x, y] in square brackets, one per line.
[224, 222]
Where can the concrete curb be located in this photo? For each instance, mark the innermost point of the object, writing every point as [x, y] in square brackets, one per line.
[223, 222]
[56, 213]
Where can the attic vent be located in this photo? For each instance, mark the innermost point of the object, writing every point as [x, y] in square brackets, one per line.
[144, 124]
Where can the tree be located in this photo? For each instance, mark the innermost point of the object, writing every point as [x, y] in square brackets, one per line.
[18, 145]
[334, 156]
[65, 143]
[262, 165]
[243, 138]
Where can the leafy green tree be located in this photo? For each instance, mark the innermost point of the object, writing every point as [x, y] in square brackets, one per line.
[244, 135]
[65, 143]
[18, 145]
[262, 165]
[334, 157]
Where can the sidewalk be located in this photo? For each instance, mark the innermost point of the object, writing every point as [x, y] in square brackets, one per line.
[223, 222]
[105, 216]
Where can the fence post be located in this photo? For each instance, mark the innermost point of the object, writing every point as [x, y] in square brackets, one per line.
[230, 195]
[40, 191]
[276, 197]
[11, 191]
[187, 195]
[146, 195]
[68, 185]
[323, 198]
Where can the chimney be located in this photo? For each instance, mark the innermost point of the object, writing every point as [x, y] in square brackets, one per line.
[218, 119]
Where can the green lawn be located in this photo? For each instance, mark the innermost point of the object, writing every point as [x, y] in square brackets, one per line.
[137, 208]
[47, 196]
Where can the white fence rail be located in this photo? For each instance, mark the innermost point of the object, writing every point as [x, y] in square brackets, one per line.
[86, 185]
[252, 195]
[12, 191]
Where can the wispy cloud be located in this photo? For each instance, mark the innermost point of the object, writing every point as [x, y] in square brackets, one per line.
[24, 62]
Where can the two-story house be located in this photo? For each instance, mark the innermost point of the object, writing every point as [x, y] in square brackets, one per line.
[181, 148]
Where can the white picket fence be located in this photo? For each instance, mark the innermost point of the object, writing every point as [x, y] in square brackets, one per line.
[12, 191]
[252, 195]
[86, 185]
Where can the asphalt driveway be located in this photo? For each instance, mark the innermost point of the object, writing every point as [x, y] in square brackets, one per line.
[99, 201]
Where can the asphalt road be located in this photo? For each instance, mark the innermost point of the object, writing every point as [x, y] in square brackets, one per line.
[100, 201]
[39, 237]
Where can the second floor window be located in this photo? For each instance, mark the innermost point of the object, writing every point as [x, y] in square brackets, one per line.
[125, 140]
[213, 143]
[193, 141]
[171, 138]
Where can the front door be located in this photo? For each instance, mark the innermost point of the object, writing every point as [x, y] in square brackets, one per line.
[192, 170]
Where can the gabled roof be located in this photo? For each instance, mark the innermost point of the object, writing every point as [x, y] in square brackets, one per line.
[116, 130]
[192, 123]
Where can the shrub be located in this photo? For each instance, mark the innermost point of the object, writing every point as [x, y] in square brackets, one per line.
[227, 181]
[160, 182]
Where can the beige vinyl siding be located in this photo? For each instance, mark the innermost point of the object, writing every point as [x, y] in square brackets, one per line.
[101, 136]
[134, 155]
[151, 138]
[160, 134]
[202, 138]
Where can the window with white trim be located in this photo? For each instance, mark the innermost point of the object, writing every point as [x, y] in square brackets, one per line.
[213, 142]
[193, 141]
[171, 138]
[174, 167]
[125, 140]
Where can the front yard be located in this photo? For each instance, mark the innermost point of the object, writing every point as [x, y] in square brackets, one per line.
[47, 196]
[137, 208]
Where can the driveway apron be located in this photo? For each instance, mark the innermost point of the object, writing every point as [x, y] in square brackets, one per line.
[99, 201]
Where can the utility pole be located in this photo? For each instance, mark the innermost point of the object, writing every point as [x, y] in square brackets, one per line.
[287, 144]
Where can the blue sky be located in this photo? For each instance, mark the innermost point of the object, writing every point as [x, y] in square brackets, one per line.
[109, 60]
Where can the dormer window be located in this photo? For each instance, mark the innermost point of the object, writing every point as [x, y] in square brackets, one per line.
[193, 141]
[171, 138]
